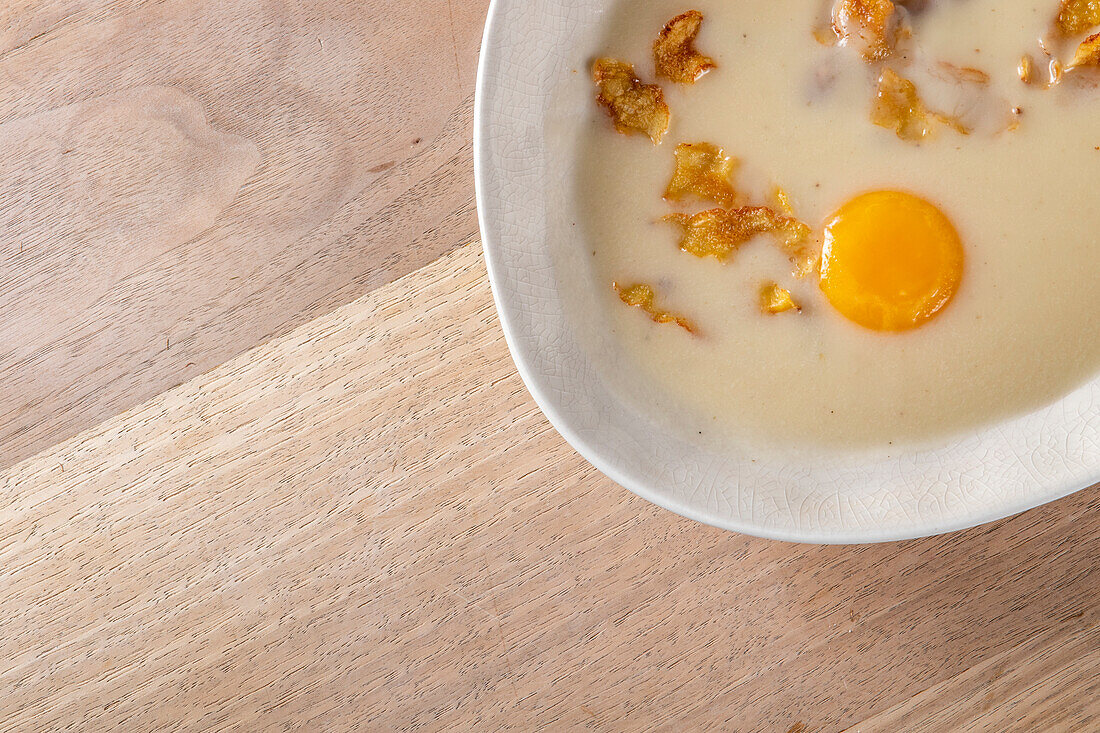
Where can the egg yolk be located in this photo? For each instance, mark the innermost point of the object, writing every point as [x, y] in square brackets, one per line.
[891, 260]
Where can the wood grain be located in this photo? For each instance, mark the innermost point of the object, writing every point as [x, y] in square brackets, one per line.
[358, 113]
[350, 528]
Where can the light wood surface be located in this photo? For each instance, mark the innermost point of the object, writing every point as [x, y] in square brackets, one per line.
[367, 524]
[352, 124]
[265, 463]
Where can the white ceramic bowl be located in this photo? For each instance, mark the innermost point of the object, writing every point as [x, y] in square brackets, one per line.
[529, 52]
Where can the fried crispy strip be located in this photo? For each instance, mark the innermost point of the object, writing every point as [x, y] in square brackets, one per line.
[869, 25]
[703, 170]
[674, 53]
[642, 296]
[774, 299]
[1077, 16]
[632, 105]
[719, 233]
[1088, 53]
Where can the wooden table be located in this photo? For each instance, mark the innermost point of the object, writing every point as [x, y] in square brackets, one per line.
[265, 462]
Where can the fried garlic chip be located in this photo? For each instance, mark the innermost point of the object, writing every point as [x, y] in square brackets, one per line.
[632, 105]
[801, 253]
[963, 74]
[719, 233]
[1077, 16]
[774, 299]
[779, 200]
[1026, 69]
[674, 52]
[804, 258]
[705, 171]
[1029, 74]
[898, 107]
[642, 296]
[868, 25]
[1088, 53]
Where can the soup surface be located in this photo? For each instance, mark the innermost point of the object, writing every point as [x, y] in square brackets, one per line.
[1013, 167]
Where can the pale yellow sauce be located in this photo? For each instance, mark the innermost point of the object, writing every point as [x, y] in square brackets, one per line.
[1022, 329]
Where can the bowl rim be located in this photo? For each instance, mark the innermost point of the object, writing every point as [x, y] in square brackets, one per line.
[540, 392]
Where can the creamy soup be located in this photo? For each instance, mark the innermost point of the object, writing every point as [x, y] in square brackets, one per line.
[1014, 168]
